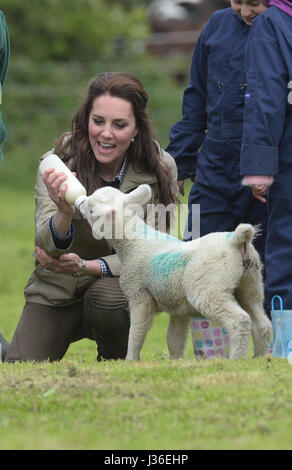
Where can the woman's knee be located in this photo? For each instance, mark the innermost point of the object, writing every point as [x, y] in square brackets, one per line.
[107, 315]
[105, 305]
[106, 293]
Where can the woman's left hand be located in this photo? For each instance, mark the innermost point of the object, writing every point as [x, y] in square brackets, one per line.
[69, 263]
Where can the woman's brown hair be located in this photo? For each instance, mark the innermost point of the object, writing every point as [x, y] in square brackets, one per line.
[144, 153]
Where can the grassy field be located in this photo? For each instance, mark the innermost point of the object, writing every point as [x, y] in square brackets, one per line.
[153, 404]
[79, 403]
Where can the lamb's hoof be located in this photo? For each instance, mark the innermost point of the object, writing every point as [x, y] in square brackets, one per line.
[131, 358]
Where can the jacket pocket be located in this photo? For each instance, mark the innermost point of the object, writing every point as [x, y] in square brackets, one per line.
[215, 87]
[216, 77]
[234, 97]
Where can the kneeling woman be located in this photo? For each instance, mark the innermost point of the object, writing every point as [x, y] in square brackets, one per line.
[74, 291]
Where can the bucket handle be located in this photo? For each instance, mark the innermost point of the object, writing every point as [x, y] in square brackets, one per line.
[280, 301]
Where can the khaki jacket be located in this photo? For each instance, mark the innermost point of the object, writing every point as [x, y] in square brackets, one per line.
[62, 289]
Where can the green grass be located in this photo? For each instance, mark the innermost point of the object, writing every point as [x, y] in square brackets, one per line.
[153, 404]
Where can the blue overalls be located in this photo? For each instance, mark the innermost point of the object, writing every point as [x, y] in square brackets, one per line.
[213, 106]
[267, 139]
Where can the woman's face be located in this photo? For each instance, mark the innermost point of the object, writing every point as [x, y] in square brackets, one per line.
[111, 127]
[248, 9]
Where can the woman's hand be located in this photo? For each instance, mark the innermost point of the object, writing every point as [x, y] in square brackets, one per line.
[53, 181]
[62, 219]
[69, 263]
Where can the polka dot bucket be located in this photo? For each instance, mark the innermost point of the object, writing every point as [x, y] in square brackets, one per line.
[209, 339]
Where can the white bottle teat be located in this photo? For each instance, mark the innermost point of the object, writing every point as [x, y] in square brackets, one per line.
[75, 188]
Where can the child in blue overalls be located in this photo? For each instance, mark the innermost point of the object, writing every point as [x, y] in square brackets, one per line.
[266, 158]
[206, 141]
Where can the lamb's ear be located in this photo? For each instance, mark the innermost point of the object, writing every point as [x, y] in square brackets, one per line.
[140, 195]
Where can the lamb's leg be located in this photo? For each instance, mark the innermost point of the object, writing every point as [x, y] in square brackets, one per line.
[250, 295]
[221, 308]
[237, 323]
[141, 321]
[178, 329]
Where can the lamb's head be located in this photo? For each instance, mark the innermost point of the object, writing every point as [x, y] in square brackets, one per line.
[108, 207]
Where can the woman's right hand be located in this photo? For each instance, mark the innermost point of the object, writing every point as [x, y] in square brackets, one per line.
[53, 181]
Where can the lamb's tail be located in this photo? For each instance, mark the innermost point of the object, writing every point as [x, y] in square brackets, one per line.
[244, 233]
[241, 238]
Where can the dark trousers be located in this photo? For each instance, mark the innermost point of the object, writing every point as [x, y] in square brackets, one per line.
[224, 202]
[279, 246]
[46, 332]
[222, 212]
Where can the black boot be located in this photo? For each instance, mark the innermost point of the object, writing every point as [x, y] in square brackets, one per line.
[5, 346]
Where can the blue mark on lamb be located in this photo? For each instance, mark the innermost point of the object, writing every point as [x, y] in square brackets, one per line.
[229, 235]
[164, 264]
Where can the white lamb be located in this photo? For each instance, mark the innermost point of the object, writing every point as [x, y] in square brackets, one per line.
[201, 277]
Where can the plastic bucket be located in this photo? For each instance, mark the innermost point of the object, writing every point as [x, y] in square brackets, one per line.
[209, 339]
[284, 323]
